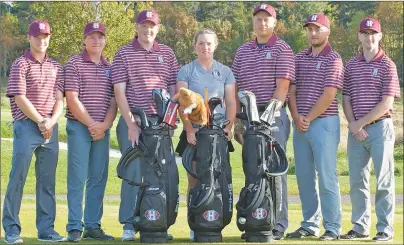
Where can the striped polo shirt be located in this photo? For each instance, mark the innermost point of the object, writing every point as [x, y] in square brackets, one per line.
[143, 71]
[256, 69]
[37, 81]
[92, 82]
[313, 74]
[366, 83]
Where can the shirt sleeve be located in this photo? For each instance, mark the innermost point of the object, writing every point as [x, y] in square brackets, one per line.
[285, 65]
[173, 70]
[119, 73]
[16, 81]
[334, 74]
[60, 78]
[236, 66]
[72, 77]
[230, 79]
[183, 74]
[391, 85]
[346, 90]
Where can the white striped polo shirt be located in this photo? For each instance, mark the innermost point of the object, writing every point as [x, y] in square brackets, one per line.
[37, 81]
[256, 69]
[313, 74]
[92, 82]
[366, 82]
[143, 71]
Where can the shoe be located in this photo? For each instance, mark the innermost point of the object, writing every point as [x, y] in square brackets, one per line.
[243, 236]
[353, 235]
[74, 236]
[383, 237]
[170, 237]
[277, 235]
[128, 235]
[12, 238]
[97, 234]
[329, 236]
[54, 237]
[192, 235]
[299, 233]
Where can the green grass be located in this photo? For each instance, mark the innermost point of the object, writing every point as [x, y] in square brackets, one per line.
[180, 230]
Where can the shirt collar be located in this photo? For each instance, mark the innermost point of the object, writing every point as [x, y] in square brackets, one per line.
[379, 56]
[28, 55]
[326, 50]
[271, 42]
[136, 45]
[87, 58]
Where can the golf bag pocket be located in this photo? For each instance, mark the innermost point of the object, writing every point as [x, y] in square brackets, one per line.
[152, 216]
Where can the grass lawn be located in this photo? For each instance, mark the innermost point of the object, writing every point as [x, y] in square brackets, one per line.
[180, 230]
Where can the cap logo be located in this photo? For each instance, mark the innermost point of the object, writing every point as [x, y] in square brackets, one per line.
[96, 26]
[369, 23]
[149, 14]
[314, 17]
[263, 6]
[42, 26]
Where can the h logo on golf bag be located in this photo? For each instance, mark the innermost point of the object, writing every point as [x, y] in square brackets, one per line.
[210, 215]
[152, 214]
[260, 213]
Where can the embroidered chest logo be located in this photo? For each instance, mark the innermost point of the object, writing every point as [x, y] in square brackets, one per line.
[107, 73]
[268, 55]
[375, 72]
[216, 74]
[318, 66]
[53, 73]
[160, 59]
[314, 17]
[369, 23]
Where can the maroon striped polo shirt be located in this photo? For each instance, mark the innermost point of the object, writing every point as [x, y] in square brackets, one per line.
[313, 74]
[143, 71]
[256, 69]
[366, 82]
[92, 82]
[37, 81]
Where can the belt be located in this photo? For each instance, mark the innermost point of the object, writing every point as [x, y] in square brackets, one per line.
[378, 120]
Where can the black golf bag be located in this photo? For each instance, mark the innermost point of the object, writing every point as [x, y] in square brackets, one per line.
[264, 162]
[210, 202]
[151, 166]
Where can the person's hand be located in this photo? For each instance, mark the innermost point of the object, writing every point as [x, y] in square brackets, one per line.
[134, 134]
[354, 127]
[45, 125]
[228, 133]
[47, 134]
[361, 135]
[301, 122]
[97, 130]
[191, 138]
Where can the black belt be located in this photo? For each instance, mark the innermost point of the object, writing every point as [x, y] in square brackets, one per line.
[378, 120]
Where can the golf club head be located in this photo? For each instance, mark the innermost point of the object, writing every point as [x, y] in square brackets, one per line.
[213, 102]
[144, 123]
[218, 118]
[249, 103]
[268, 116]
[160, 98]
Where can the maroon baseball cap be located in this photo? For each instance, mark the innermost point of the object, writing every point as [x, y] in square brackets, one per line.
[318, 20]
[39, 27]
[267, 8]
[370, 24]
[147, 15]
[94, 27]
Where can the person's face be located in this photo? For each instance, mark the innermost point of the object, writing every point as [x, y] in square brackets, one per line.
[94, 42]
[317, 35]
[147, 32]
[263, 23]
[369, 39]
[205, 45]
[40, 43]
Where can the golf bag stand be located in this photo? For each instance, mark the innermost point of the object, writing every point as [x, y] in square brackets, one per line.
[264, 162]
[210, 202]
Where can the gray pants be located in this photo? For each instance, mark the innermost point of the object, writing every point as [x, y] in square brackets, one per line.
[128, 192]
[379, 146]
[27, 140]
[87, 164]
[316, 158]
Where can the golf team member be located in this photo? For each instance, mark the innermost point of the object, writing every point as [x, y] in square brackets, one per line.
[316, 135]
[266, 67]
[91, 110]
[206, 72]
[370, 86]
[139, 67]
[35, 89]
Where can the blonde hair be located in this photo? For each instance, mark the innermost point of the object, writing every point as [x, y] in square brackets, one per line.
[206, 31]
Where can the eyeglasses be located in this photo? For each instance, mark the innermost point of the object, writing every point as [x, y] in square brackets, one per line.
[368, 33]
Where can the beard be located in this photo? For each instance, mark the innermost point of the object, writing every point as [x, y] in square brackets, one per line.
[318, 43]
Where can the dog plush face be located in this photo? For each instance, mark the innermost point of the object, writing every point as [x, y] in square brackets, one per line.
[192, 104]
